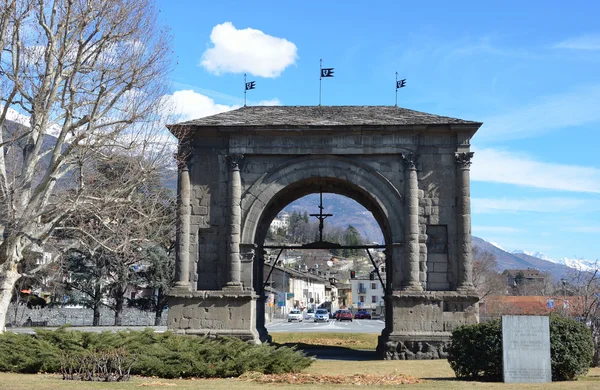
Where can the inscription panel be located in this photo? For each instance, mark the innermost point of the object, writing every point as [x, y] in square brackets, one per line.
[526, 349]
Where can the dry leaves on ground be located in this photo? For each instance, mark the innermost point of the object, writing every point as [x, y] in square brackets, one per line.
[166, 384]
[357, 379]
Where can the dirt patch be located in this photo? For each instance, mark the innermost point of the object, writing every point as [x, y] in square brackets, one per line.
[357, 379]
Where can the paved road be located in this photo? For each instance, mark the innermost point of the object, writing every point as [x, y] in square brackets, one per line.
[356, 326]
[157, 329]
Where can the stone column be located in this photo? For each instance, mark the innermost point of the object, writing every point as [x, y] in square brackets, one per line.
[463, 221]
[411, 224]
[182, 265]
[235, 220]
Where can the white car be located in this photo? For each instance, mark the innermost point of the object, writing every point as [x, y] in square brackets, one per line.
[294, 315]
[309, 315]
[322, 315]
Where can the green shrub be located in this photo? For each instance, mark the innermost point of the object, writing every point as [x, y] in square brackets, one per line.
[164, 355]
[571, 348]
[476, 350]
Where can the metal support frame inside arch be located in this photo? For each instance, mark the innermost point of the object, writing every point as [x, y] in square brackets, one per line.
[326, 245]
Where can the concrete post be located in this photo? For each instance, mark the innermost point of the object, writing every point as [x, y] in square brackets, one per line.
[411, 224]
[182, 265]
[463, 221]
[235, 220]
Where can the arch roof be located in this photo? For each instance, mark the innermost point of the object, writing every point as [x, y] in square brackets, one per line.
[295, 117]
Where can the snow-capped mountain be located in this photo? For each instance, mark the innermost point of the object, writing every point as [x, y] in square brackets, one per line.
[539, 255]
[578, 264]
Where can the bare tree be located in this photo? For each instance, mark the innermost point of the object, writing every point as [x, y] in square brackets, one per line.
[584, 286]
[486, 279]
[110, 234]
[88, 75]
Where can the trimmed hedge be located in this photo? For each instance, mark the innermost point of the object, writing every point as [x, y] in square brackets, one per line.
[476, 350]
[164, 355]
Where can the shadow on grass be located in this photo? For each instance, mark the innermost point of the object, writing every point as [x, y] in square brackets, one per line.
[326, 352]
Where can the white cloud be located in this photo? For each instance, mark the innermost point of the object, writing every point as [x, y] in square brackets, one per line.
[188, 104]
[584, 42]
[541, 205]
[574, 108]
[496, 229]
[192, 105]
[585, 229]
[491, 165]
[269, 102]
[248, 50]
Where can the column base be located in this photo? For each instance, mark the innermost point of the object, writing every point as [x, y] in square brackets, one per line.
[468, 288]
[413, 287]
[182, 286]
[214, 313]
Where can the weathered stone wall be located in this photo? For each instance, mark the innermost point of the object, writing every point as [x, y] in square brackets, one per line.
[413, 178]
[214, 313]
[80, 316]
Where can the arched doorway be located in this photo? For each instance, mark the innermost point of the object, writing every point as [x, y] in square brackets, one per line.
[410, 169]
[309, 183]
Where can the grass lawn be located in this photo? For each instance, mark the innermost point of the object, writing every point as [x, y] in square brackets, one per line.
[347, 340]
[436, 374]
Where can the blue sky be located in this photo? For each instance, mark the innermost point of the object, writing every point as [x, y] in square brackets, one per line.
[528, 70]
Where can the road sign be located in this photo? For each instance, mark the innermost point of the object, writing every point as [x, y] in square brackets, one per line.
[290, 295]
[280, 303]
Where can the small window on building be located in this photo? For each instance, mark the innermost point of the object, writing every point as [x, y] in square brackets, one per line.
[373, 286]
[373, 299]
[362, 298]
[133, 295]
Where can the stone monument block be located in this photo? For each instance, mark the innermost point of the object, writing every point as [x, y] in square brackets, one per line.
[526, 349]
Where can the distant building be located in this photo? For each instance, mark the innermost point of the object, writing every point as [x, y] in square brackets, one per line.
[282, 221]
[367, 292]
[496, 306]
[299, 287]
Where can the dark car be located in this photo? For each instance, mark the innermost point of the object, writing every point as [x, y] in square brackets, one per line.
[344, 315]
[363, 315]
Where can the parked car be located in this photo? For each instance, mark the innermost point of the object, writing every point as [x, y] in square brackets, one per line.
[334, 315]
[344, 315]
[322, 315]
[362, 314]
[294, 315]
[309, 315]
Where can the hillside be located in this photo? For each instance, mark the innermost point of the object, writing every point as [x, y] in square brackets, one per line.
[348, 212]
[508, 260]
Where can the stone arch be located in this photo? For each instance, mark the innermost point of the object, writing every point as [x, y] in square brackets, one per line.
[305, 175]
[302, 176]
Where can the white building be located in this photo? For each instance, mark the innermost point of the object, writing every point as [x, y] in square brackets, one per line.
[299, 288]
[367, 293]
[282, 221]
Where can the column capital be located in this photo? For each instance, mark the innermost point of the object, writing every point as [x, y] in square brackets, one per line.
[463, 159]
[410, 160]
[234, 161]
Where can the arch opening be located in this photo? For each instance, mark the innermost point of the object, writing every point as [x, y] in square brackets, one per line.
[377, 263]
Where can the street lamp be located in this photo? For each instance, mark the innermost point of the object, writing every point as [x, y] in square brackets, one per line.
[564, 284]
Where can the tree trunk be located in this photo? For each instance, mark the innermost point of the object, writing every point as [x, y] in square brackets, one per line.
[158, 316]
[97, 298]
[8, 278]
[96, 321]
[119, 299]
